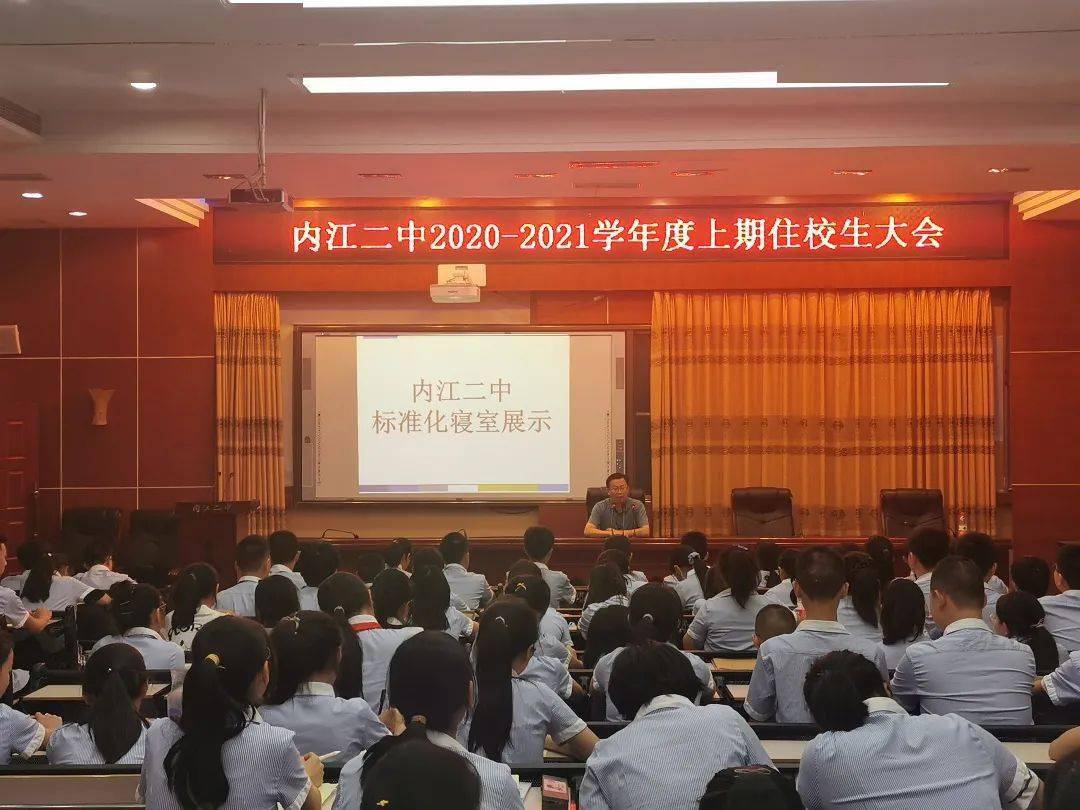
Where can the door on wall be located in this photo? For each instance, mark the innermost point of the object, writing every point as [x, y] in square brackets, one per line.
[18, 470]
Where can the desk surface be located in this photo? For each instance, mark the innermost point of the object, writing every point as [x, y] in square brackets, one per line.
[738, 690]
[789, 752]
[73, 691]
[734, 664]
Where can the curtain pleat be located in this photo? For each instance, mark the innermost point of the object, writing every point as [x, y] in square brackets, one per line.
[836, 395]
[250, 422]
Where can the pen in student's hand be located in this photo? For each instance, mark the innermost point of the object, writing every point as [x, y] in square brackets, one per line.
[330, 755]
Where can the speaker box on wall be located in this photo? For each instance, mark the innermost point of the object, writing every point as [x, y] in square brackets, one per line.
[9, 339]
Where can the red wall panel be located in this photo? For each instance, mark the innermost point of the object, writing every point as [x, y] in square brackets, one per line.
[176, 422]
[100, 455]
[26, 380]
[176, 310]
[30, 289]
[1045, 437]
[99, 293]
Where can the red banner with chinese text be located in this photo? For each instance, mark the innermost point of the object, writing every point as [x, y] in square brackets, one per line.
[615, 233]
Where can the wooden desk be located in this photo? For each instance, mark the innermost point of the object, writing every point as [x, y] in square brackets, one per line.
[738, 691]
[789, 752]
[65, 692]
[734, 664]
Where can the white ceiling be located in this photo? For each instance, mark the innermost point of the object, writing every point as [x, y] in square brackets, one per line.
[1014, 100]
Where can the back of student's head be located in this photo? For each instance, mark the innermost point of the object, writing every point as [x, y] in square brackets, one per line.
[767, 553]
[534, 590]
[275, 598]
[508, 628]
[880, 549]
[305, 643]
[688, 559]
[29, 552]
[431, 598]
[370, 565]
[417, 775]
[619, 544]
[427, 555]
[227, 656]
[903, 612]
[1031, 574]
[740, 571]
[251, 554]
[400, 548]
[608, 630]
[605, 581]
[820, 574]
[38, 582]
[113, 684]
[642, 672]
[523, 568]
[1022, 616]
[1063, 785]
[617, 558]
[698, 541]
[283, 547]
[655, 611]
[317, 561]
[342, 596]
[978, 548]
[98, 552]
[750, 787]
[836, 686]
[1068, 565]
[390, 592]
[538, 542]
[930, 546]
[864, 586]
[961, 580]
[773, 620]
[454, 547]
[789, 561]
[195, 583]
[133, 605]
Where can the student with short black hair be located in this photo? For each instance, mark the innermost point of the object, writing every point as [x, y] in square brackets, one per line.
[539, 543]
[471, 588]
[46, 587]
[619, 559]
[114, 686]
[194, 599]
[21, 735]
[750, 787]
[430, 684]
[969, 671]
[979, 548]
[12, 609]
[903, 619]
[1019, 615]
[284, 553]
[860, 610]
[926, 548]
[418, 775]
[654, 617]
[784, 592]
[318, 560]
[872, 755]
[139, 614]
[100, 574]
[252, 565]
[221, 753]
[767, 554]
[623, 545]
[725, 622]
[777, 681]
[1031, 575]
[1063, 609]
[688, 576]
[307, 650]
[609, 630]
[431, 608]
[698, 541]
[399, 555]
[607, 587]
[369, 565]
[514, 715]
[671, 749]
[771, 621]
[275, 598]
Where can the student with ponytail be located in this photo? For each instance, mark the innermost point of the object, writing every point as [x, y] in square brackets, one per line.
[513, 715]
[873, 755]
[275, 598]
[431, 608]
[654, 617]
[139, 614]
[903, 619]
[550, 662]
[784, 592]
[20, 734]
[607, 587]
[860, 610]
[12, 609]
[46, 588]
[1019, 615]
[194, 597]
[114, 733]
[671, 749]
[688, 576]
[725, 622]
[221, 753]
[554, 632]
[429, 684]
[307, 649]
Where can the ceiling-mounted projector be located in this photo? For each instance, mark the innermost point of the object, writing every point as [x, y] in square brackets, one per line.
[459, 284]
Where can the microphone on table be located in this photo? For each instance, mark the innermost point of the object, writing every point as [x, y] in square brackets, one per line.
[345, 532]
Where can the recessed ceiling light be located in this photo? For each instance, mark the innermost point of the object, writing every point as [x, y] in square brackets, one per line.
[535, 175]
[1008, 169]
[378, 175]
[851, 172]
[613, 164]
[224, 176]
[76, 213]
[696, 172]
[144, 86]
[33, 195]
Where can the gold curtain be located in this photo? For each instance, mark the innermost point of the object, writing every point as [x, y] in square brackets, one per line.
[835, 395]
[250, 458]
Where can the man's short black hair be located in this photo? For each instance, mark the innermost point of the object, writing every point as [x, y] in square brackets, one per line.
[615, 476]
[399, 547]
[97, 552]
[930, 546]
[539, 541]
[251, 552]
[318, 561]
[978, 548]
[454, 547]
[1068, 565]
[773, 620]
[370, 565]
[959, 579]
[820, 573]
[283, 547]
[1031, 575]
[619, 543]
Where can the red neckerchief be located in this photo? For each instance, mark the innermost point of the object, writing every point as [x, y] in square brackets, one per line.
[360, 627]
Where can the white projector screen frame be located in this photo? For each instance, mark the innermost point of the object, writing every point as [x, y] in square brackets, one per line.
[598, 443]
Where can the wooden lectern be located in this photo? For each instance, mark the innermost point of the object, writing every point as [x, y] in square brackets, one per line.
[209, 532]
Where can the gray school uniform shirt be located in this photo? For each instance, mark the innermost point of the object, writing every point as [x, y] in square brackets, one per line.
[602, 676]
[554, 625]
[240, 598]
[101, 577]
[776, 685]
[562, 589]
[471, 588]
[1063, 684]
[719, 623]
[1063, 618]
[72, 744]
[970, 671]
[591, 610]
[322, 722]
[378, 646]
[688, 589]
[280, 570]
[20, 734]
[12, 608]
[157, 653]
[605, 516]
[923, 582]
[898, 762]
[855, 624]
[498, 790]
[664, 759]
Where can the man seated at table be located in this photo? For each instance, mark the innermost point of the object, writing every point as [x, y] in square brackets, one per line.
[618, 514]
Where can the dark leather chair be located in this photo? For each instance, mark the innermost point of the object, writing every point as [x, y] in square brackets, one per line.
[153, 545]
[82, 526]
[596, 494]
[905, 511]
[763, 512]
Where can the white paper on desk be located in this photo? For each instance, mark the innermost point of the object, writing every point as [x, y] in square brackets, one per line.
[523, 787]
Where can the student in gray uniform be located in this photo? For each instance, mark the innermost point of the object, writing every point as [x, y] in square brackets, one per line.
[114, 733]
[784, 593]
[688, 576]
[418, 775]
[430, 685]
[21, 735]
[46, 587]
[926, 548]
[1063, 609]
[725, 622]
[776, 686]
[139, 614]
[252, 565]
[969, 671]
[607, 587]
[667, 755]
[1031, 575]
[307, 649]
[874, 756]
[471, 588]
[431, 608]
[979, 548]
[881, 551]
[284, 552]
[654, 617]
[1062, 686]
[539, 543]
[860, 610]
[1019, 615]
[771, 621]
[623, 545]
[100, 574]
[318, 560]
[903, 619]
[11, 607]
[514, 716]
[554, 639]
[275, 598]
[194, 600]
[430, 556]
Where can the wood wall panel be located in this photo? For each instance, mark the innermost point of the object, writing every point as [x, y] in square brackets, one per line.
[176, 422]
[176, 310]
[100, 456]
[1043, 515]
[1045, 430]
[30, 289]
[25, 380]
[99, 293]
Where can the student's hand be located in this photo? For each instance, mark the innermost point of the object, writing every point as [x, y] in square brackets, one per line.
[393, 721]
[314, 768]
[44, 614]
[51, 723]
